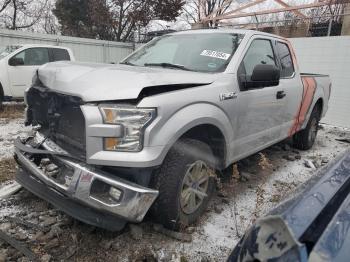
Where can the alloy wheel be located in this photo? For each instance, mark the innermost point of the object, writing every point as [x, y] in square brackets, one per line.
[194, 187]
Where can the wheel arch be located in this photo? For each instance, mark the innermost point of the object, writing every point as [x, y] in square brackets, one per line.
[204, 122]
[319, 105]
[213, 137]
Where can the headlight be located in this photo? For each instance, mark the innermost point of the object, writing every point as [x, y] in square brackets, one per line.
[134, 121]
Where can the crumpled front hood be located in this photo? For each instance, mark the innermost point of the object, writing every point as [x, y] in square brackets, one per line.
[102, 82]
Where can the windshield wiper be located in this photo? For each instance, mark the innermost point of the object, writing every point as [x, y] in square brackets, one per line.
[168, 65]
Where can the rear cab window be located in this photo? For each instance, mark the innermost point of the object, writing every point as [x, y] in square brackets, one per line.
[285, 58]
[59, 54]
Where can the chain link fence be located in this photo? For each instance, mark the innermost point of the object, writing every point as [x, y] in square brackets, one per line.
[301, 27]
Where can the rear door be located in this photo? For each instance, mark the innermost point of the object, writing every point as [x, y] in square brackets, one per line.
[260, 110]
[21, 75]
[292, 85]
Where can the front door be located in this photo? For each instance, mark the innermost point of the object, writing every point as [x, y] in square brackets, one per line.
[260, 110]
[21, 75]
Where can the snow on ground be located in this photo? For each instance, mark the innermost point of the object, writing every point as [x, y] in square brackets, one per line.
[264, 181]
[11, 126]
[9, 131]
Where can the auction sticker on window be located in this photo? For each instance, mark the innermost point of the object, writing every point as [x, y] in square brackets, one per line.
[216, 54]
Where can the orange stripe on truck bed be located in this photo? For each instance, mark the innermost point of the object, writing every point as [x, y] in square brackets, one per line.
[309, 84]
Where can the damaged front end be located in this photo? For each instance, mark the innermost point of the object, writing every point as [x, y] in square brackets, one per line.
[52, 164]
[58, 117]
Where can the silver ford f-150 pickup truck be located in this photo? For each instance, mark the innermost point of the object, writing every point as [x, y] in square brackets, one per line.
[112, 143]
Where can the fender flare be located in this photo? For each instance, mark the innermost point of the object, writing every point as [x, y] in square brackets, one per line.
[182, 121]
[317, 97]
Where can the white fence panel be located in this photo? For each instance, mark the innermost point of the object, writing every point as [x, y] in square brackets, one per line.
[86, 50]
[331, 56]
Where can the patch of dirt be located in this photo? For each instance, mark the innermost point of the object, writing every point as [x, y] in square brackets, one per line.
[7, 169]
[283, 189]
[12, 111]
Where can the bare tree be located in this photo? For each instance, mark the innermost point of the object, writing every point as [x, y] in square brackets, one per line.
[21, 14]
[130, 15]
[48, 23]
[4, 4]
[112, 19]
[193, 10]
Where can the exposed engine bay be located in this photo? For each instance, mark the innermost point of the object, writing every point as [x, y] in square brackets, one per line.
[57, 117]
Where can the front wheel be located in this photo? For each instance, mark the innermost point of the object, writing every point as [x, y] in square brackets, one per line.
[186, 184]
[305, 139]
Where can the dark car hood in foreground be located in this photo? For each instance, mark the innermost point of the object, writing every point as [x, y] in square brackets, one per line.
[312, 226]
[101, 82]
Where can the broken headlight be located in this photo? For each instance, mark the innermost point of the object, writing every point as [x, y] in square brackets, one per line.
[133, 120]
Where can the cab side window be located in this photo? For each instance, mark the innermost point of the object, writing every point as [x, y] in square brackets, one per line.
[259, 52]
[34, 56]
[286, 59]
[58, 54]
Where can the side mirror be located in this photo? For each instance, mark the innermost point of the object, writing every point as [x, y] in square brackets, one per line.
[263, 76]
[16, 61]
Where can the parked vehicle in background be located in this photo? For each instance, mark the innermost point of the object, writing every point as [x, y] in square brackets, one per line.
[19, 62]
[314, 225]
[114, 140]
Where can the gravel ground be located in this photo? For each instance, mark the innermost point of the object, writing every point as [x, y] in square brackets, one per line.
[250, 189]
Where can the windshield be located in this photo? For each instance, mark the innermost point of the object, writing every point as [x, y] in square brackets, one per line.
[207, 52]
[6, 50]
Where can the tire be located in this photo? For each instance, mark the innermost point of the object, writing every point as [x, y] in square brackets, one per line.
[173, 180]
[305, 139]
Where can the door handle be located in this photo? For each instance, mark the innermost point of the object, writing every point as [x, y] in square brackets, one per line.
[280, 94]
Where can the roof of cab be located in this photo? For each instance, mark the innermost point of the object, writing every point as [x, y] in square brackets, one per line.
[226, 30]
[42, 45]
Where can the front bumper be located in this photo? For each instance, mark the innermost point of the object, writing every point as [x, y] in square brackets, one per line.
[83, 213]
[79, 184]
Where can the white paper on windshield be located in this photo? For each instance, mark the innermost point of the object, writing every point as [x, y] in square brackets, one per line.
[216, 54]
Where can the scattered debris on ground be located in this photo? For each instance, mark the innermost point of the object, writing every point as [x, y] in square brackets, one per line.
[252, 187]
[308, 163]
[345, 140]
[9, 188]
[18, 246]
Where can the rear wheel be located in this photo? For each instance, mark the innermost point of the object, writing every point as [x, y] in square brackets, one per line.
[305, 139]
[185, 182]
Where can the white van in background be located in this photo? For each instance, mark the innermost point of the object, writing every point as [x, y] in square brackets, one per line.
[19, 62]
